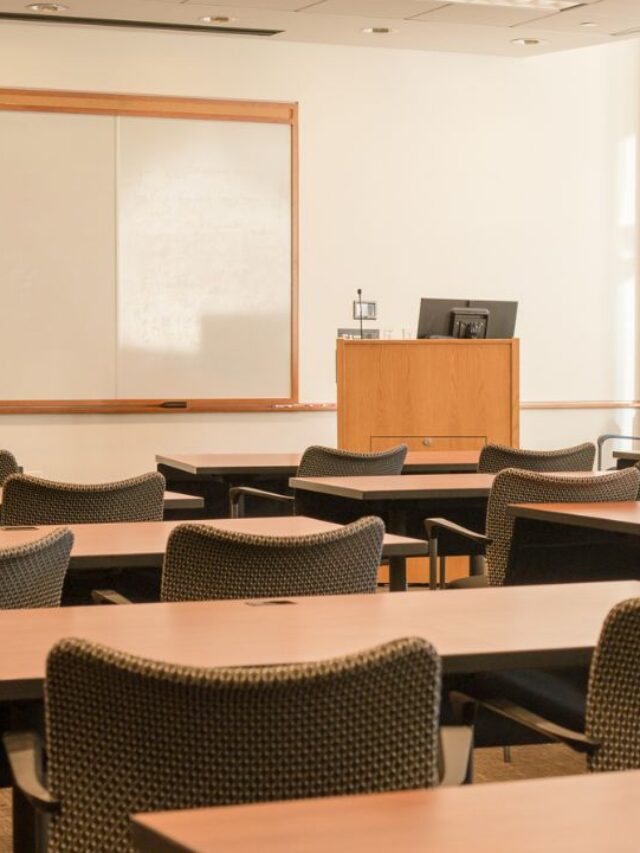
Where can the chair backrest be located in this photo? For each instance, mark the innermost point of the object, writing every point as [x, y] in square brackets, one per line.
[8, 465]
[613, 698]
[497, 457]
[127, 735]
[204, 563]
[30, 500]
[32, 575]
[319, 461]
[515, 486]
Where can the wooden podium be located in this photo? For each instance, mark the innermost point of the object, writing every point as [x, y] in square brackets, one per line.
[443, 394]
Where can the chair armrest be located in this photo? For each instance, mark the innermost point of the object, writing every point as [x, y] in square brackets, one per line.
[108, 596]
[237, 493]
[456, 747]
[576, 740]
[24, 753]
[433, 525]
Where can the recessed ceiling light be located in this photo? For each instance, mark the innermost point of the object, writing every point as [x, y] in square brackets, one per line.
[217, 19]
[47, 8]
[378, 30]
[527, 42]
[524, 4]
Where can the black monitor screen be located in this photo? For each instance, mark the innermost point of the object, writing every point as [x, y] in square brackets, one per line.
[436, 317]
[502, 317]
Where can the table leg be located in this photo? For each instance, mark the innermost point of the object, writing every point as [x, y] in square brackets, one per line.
[477, 564]
[24, 824]
[397, 574]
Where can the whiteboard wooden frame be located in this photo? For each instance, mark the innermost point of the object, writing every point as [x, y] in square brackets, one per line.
[34, 100]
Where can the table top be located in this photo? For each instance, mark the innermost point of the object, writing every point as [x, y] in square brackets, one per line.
[614, 516]
[143, 543]
[172, 500]
[286, 464]
[400, 487]
[571, 814]
[176, 500]
[627, 454]
[473, 630]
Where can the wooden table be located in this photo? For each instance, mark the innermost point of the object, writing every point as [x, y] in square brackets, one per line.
[409, 487]
[143, 543]
[575, 814]
[172, 501]
[626, 458]
[211, 475]
[596, 540]
[180, 501]
[615, 516]
[404, 502]
[286, 464]
[473, 630]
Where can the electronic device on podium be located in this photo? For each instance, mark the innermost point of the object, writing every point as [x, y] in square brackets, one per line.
[466, 318]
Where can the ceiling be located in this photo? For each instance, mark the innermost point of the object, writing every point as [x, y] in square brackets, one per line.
[487, 27]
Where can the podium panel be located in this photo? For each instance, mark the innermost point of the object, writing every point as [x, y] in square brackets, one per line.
[443, 394]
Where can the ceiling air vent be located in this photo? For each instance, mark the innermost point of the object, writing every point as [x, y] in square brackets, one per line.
[139, 25]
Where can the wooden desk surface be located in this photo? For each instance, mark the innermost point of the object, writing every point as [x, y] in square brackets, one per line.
[176, 500]
[402, 487]
[573, 814]
[617, 517]
[411, 486]
[634, 455]
[286, 464]
[172, 500]
[473, 630]
[143, 543]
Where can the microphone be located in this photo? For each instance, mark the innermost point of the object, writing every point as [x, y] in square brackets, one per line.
[360, 302]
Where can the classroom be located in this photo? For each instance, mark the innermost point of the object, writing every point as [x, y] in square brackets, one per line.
[319, 448]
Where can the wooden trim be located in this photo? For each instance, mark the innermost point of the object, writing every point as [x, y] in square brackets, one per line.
[96, 103]
[582, 404]
[515, 393]
[123, 407]
[43, 407]
[295, 252]
[108, 103]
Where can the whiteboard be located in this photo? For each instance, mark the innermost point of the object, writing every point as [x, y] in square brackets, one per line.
[204, 259]
[146, 258]
[57, 259]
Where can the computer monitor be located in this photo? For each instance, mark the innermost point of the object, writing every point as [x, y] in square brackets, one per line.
[436, 317]
[502, 317]
[449, 318]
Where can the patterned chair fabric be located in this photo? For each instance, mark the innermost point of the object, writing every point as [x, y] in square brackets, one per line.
[515, 486]
[329, 462]
[204, 563]
[32, 575]
[127, 735]
[497, 457]
[613, 699]
[30, 500]
[319, 461]
[8, 465]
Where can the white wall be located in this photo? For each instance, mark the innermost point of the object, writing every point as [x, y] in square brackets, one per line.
[421, 174]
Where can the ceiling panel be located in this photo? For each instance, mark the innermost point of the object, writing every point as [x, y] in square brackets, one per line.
[474, 32]
[276, 5]
[608, 15]
[478, 15]
[393, 9]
